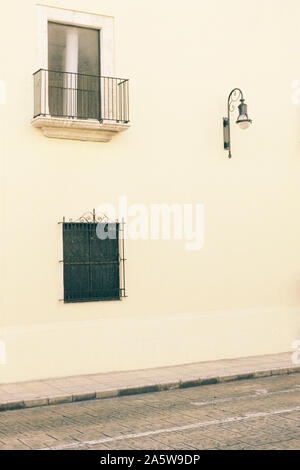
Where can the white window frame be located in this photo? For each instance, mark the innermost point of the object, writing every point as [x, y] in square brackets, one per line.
[105, 24]
[59, 127]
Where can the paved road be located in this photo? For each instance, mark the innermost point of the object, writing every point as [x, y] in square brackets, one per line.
[250, 414]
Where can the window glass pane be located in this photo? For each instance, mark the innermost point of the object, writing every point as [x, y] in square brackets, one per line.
[74, 67]
[73, 47]
[56, 46]
[88, 51]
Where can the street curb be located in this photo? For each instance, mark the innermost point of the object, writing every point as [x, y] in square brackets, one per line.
[134, 390]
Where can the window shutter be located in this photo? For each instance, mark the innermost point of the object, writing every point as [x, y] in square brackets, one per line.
[91, 265]
[104, 258]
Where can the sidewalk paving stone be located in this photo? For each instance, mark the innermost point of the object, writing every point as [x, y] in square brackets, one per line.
[113, 384]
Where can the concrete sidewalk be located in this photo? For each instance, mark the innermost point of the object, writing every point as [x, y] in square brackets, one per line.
[88, 387]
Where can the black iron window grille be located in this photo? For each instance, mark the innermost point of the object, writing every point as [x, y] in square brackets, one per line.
[80, 96]
[94, 268]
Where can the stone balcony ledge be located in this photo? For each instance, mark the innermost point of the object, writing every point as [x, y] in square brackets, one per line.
[79, 129]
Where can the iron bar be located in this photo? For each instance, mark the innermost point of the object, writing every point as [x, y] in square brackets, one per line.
[85, 262]
[80, 96]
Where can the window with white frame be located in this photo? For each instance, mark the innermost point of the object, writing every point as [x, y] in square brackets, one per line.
[75, 76]
[74, 71]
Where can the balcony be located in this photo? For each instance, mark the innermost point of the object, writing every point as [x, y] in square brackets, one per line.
[81, 107]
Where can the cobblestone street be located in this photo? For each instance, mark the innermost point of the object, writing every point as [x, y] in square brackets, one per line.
[248, 414]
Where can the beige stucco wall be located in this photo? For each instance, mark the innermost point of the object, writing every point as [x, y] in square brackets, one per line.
[237, 296]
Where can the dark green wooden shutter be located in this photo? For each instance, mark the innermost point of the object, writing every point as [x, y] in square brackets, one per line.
[105, 262]
[91, 265]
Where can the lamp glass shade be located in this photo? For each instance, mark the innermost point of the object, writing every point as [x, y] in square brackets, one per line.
[243, 122]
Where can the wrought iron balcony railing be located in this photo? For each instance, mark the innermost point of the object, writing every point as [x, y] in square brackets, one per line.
[80, 96]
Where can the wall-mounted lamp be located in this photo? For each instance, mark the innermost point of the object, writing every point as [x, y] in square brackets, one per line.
[243, 121]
